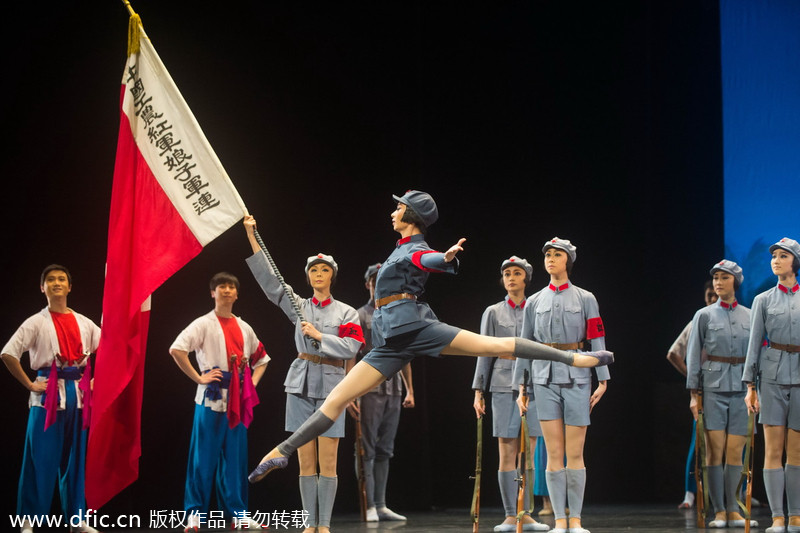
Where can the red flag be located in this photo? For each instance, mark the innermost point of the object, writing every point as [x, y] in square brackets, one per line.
[170, 198]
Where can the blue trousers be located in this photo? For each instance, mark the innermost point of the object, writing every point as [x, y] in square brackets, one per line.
[55, 455]
[216, 454]
[690, 483]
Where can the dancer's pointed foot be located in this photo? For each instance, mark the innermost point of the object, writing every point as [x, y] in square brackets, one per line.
[270, 462]
[592, 359]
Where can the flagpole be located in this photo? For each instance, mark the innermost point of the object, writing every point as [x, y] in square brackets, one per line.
[130, 8]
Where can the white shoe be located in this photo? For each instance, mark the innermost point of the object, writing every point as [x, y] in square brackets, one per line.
[740, 523]
[384, 513]
[536, 526]
[717, 524]
[688, 501]
[192, 523]
[246, 523]
[372, 514]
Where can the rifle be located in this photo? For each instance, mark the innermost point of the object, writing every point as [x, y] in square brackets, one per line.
[360, 472]
[525, 461]
[747, 472]
[475, 508]
[700, 472]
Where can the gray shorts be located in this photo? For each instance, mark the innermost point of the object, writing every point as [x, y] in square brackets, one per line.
[401, 349]
[569, 402]
[299, 408]
[725, 411]
[780, 405]
[506, 420]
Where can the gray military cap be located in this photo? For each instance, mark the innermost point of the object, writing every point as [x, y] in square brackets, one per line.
[422, 203]
[731, 268]
[518, 262]
[322, 258]
[372, 270]
[790, 245]
[561, 244]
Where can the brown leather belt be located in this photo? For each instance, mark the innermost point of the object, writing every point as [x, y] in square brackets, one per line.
[380, 302]
[320, 360]
[567, 346]
[785, 347]
[730, 360]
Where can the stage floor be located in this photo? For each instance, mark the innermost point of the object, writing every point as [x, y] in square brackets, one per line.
[597, 519]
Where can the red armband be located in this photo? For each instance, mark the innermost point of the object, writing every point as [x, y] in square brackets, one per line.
[351, 330]
[416, 258]
[594, 328]
[257, 355]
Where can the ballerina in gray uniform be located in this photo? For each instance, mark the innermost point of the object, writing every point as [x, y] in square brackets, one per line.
[774, 320]
[404, 327]
[495, 374]
[714, 356]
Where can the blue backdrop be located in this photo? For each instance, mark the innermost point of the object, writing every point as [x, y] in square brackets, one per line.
[761, 132]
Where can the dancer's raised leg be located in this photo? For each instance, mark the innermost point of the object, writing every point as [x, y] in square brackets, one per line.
[360, 380]
[473, 344]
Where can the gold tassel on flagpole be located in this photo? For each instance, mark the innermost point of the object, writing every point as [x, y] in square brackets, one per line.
[134, 27]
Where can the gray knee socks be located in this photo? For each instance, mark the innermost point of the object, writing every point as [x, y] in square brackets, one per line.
[327, 494]
[733, 473]
[716, 487]
[508, 491]
[308, 495]
[774, 483]
[557, 487]
[528, 349]
[792, 477]
[313, 427]
[576, 485]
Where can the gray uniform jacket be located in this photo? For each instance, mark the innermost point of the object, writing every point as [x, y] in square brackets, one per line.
[563, 315]
[338, 323]
[776, 318]
[503, 319]
[405, 271]
[721, 330]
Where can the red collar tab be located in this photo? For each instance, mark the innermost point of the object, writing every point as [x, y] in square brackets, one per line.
[560, 288]
[787, 290]
[726, 306]
[404, 240]
[514, 306]
[323, 303]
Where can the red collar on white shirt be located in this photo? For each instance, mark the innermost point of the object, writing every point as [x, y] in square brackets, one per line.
[726, 306]
[514, 306]
[323, 303]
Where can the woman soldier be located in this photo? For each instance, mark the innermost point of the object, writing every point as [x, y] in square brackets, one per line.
[504, 319]
[404, 327]
[714, 356]
[565, 317]
[330, 337]
[772, 355]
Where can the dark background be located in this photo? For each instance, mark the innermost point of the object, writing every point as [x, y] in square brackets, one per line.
[595, 122]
